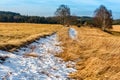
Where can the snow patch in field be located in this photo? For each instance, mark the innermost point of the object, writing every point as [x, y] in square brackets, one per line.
[73, 33]
[44, 67]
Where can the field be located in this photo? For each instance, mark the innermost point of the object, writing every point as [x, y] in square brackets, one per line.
[96, 53]
[116, 28]
[13, 35]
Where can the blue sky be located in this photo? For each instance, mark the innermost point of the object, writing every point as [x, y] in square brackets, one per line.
[48, 7]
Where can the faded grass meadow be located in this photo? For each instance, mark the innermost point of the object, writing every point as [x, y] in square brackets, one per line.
[96, 53]
[14, 35]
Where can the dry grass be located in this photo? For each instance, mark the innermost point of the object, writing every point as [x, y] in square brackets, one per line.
[14, 35]
[116, 27]
[96, 53]
[32, 54]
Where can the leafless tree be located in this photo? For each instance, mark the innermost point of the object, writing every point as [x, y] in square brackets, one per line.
[63, 14]
[103, 18]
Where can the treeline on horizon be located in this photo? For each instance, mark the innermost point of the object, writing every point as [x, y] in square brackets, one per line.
[7, 16]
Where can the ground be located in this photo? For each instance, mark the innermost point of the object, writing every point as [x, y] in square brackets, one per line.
[96, 53]
[15, 35]
[38, 63]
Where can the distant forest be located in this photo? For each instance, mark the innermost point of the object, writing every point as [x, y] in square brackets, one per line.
[18, 18]
[6, 16]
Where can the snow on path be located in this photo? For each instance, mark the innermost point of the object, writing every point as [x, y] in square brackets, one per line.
[44, 67]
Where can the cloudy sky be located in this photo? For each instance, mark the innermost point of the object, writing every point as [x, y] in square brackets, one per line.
[48, 7]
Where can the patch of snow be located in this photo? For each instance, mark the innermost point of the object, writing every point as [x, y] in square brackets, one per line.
[73, 33]
[44, 67]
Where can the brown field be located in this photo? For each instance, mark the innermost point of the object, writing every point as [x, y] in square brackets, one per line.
[116, 28]
[14, 35]
[96, 53]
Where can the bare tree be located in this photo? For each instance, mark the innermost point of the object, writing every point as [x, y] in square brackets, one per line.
[103, 18]
[63, 14]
